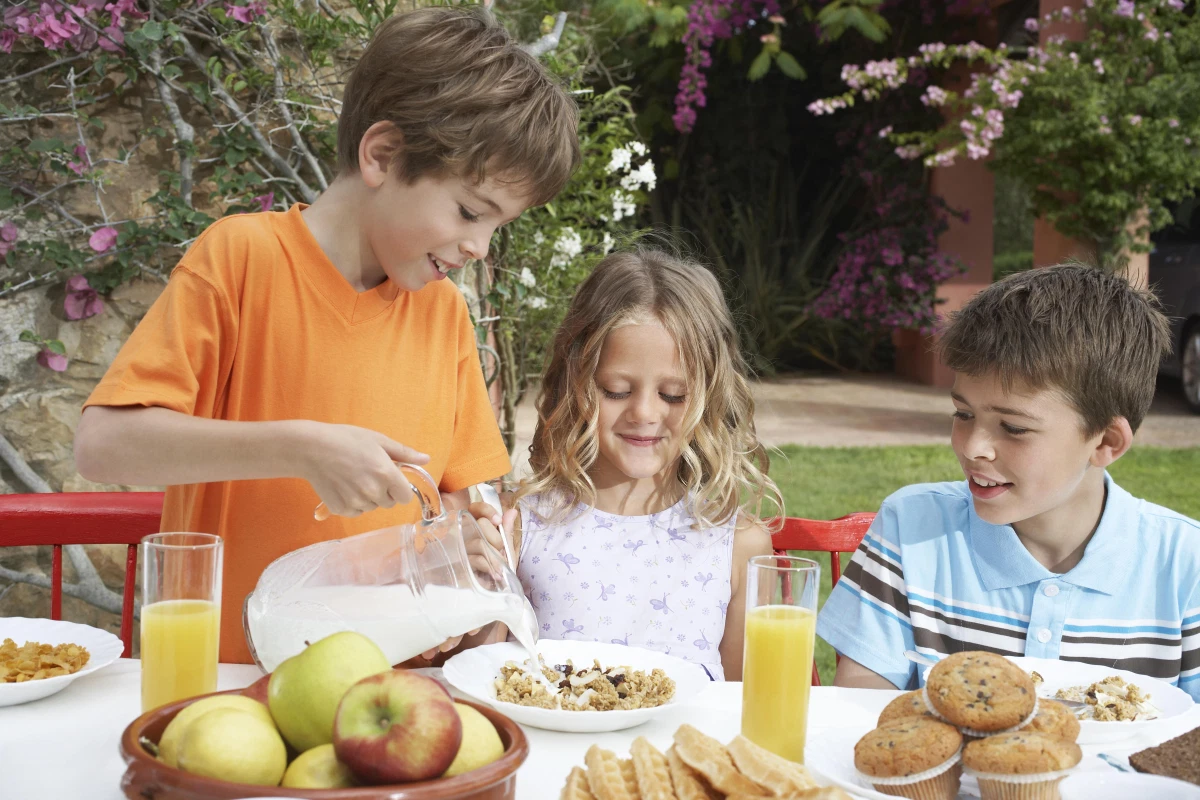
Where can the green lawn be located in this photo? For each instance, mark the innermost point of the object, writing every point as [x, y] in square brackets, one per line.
[824, 483]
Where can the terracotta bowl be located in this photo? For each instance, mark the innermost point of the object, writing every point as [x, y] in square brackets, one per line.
[146, 777]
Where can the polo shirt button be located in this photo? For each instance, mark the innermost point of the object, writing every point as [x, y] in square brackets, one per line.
[1050, 590]
[1043, 635]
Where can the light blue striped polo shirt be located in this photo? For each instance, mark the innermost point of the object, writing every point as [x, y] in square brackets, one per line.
[930, 575]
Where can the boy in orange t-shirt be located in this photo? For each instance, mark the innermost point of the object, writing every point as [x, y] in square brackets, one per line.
[295, 356]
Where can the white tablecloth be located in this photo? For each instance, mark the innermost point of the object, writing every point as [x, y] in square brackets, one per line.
[65, 747]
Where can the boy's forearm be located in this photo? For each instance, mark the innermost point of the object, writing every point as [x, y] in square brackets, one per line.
[157, 446]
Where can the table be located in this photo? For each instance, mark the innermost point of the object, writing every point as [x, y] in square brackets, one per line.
[66, 746]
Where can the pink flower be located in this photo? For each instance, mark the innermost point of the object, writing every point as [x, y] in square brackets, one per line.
[8, 37]
[247, 13]
[265, 201]
[82, 301]
[112, 40]
[1031, 24]
[103, 239]
[1152, 34]
[8, 235]
[83, 163]
[52, 360]
[777, 19]
[1125, 8]
[1174, 123]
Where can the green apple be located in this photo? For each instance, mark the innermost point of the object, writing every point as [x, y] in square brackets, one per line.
[481, 743]
[230, 744]
[168, 743]
[304, 691]
[318, 769]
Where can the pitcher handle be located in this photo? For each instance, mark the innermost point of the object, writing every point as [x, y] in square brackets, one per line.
[423, 487]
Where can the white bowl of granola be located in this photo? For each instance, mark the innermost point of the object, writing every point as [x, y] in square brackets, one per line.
[1153, 701]
[631, 686]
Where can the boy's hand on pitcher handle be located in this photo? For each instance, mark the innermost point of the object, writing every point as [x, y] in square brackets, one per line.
[353, 469]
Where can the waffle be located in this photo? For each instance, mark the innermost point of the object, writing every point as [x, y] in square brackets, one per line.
[772, 772]
[697, 767]
[705, 754]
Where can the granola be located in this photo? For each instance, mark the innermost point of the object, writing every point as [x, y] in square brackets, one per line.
[591, 688]
[1111, 700]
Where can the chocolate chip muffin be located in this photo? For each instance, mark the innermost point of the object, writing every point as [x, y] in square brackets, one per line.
[909, 704]
[915, 757]
[1025, 765]
[981, 692]
[1054, 718]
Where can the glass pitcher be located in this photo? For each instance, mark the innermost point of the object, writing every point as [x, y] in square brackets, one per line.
[408, 588]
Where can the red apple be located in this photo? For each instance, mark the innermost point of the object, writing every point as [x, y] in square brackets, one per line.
[258, 689]
[396, 727]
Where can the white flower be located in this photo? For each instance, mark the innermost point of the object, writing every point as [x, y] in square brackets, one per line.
[539, 238]
[527, 278]
[638, 148]
[568, 246]
[623, 206]
[536, 302]
[642, 175]
[607, 242]
[621, 159]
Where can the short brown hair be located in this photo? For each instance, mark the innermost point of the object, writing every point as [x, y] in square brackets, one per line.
[466, 98]
[1074, 328]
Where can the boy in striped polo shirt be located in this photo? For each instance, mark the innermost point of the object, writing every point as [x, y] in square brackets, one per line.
[1038, 552]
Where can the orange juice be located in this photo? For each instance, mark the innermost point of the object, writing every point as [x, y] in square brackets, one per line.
[777, 676]
[179, 650]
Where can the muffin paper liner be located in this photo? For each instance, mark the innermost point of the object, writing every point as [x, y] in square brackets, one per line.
[1037, 786]
[940, 783]
[973, 732]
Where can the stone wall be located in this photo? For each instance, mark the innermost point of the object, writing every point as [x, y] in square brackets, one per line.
[39, 410]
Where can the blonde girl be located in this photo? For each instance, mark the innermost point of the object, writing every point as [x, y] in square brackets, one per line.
[647, 478]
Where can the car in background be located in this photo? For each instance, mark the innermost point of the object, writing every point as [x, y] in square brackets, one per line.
[1175, 278]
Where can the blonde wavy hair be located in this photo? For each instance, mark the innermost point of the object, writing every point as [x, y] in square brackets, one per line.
[722, 466]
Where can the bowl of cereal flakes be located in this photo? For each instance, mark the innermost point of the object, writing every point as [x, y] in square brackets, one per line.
[583, 687]
[41, 657]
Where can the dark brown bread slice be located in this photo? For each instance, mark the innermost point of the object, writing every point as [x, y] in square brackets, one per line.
[1174, 758]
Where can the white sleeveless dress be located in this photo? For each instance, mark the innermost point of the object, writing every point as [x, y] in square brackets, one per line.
[656, 581]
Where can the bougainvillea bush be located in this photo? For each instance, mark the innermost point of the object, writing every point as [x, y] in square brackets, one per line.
[1103, 130]
[239, 101]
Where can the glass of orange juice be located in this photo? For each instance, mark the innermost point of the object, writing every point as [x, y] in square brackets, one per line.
[181, 616]
[781, 626]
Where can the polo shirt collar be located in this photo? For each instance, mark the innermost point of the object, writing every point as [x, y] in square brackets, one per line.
[1002, 562]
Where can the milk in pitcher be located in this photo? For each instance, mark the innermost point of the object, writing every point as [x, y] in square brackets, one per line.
[391, 616]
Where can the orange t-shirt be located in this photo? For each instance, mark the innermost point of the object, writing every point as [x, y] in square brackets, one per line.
[257, 324]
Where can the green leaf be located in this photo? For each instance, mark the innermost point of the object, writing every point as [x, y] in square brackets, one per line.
[46, 145]
[759, 66]
[237, 87]
[171, 72]
[55, 346]
[30, 337]
[789, 66]
[153, 30]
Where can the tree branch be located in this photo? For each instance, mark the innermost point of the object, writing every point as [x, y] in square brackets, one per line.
[264, 144]
[549, 42]
[185, 134]
[280, 100]
[32, 72]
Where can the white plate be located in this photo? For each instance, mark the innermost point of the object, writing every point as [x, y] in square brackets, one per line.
[1171, 701]
[1125, 785]
[473, 673]
[103, 649]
